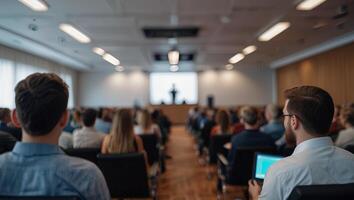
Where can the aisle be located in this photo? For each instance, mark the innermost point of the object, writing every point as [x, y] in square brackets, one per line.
[185, 178]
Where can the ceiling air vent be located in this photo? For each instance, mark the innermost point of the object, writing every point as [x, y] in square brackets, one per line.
[183, 57]
[177, 32]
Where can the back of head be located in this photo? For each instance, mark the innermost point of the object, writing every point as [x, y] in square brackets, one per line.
[273, 112]
[144, 119]
[249, 115]
[5, 115]
[347, 116]
[89, 117]
[313, 106]
[223, 119]
[41, 100]
[122, 133]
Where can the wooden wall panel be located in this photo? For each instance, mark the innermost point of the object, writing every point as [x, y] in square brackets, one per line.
[332, 71]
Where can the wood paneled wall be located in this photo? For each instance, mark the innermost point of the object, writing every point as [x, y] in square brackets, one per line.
[332, 70]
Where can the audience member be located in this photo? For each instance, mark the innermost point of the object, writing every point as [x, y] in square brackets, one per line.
[122, 138]
[274, 127]
[336, 125]
[66, 140]
[223, 123]
[6, 124]
[308, 113]
[7, 142]
[103, 123]
[88, 136]
[37, 166]
[346, 136]
[251, 136]
[145, 125]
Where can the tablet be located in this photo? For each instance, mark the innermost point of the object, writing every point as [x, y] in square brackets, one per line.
[262, 163]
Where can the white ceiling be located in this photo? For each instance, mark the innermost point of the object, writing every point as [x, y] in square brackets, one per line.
[115, 26]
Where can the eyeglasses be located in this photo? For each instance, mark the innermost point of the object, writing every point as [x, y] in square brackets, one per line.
[290, 115]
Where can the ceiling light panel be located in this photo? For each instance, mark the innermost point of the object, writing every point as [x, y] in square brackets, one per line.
[36, 5]
[236, 58]
[274, 31]
[98, 51]
[75, 33]
[173, 57]
[250, 49]
[309, 4]
[111, 59]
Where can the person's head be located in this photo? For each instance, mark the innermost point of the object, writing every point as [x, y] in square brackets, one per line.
[249, 116]
[41, 100]
[223, 120]
[5, 115]
[144, 119]
[308, 113]
[77, 116]
[272, 112]
[122, 133]
[89, 117]
[347, 117]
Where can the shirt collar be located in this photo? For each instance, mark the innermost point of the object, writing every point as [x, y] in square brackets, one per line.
[313, 143]
[36, 149]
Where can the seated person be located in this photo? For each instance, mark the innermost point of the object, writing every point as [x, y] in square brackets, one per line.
[346, 136]
[223, 125]
[37, 166]
[145, 125]
[88, 136]
[66, 140]
[308, 113]
[6, 124]
[251, 136]
[122, 138]
[274, 127]
[103, 123]
[7, 142]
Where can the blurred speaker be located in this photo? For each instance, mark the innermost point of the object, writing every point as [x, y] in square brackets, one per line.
[210, 101]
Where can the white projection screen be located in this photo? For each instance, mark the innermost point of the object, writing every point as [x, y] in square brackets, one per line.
[185, 83]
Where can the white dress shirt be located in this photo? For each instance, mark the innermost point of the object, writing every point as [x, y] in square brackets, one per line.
[88, 137]
[154, 129]
[314, 162]
[345, 137]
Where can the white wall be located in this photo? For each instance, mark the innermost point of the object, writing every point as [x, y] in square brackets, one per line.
[246, 86]
[237, 87]
[113, 89]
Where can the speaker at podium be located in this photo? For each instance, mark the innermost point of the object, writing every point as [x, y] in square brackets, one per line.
[210, 101]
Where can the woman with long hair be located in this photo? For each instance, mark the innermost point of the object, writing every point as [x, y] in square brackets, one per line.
[223, 123]
[145, 124]
[122, 138]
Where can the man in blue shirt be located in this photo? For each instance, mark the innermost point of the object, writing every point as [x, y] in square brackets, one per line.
[37, 166]
[274, 127]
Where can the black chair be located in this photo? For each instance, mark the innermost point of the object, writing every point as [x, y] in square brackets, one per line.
[241, 171]
[350, 148]
[323, 192]
[89, 154]
[216, 146]
[126, 175]
[39, 197]
[7, 142]
[152, 147]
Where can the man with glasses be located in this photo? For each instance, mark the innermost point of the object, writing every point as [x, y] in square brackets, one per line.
[307, 114]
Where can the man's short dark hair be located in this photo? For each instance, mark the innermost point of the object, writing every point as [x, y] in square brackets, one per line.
[249, 115]
[89, 117]
[41, 99]
[4, 113]
[313, 106]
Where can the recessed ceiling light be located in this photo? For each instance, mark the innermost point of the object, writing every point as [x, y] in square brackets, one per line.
[225, 19]
[36, 5]
[249, 49]
[119, 68]
[273, 31]
[74, 33]
[236, 58]
[111, 59]
[229, 67]
[174, 68]
[98, 51]
[173, 57]
[309, 4]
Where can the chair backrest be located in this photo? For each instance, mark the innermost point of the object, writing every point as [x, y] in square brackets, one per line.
[216, 146]
[350, 148]
[89, 154]
[323, 192]
[241, 171]
[126, 174]
[39, 197]
[7, 142]
[151, 142]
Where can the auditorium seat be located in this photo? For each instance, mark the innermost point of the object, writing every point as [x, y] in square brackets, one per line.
[152, 147]
[241, 172]
[323, 192]
[216, 146]
[126, 175]
[350, 148]
[89, 154]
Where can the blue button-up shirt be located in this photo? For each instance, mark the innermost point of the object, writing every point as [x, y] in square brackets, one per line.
[43, 169]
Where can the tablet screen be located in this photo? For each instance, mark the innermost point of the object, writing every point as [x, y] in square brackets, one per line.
[263, 162]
